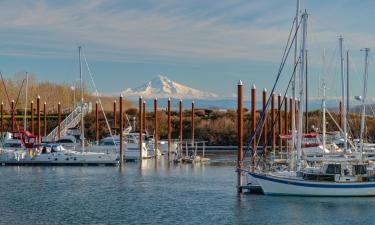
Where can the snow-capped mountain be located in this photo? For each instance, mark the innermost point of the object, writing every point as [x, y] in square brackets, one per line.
[162, 87]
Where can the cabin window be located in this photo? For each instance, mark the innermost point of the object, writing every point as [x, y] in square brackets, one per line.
[333, 169]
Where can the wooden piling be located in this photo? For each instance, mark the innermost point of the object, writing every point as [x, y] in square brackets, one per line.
[114, 118]
[122, 130]
[38, 121]
[264, 152]
[144, 114]
[12, 108]
[32, 118]
[169, 128]
[140, 124]
[59, 121]
[156, 138]
[280, 126]
[180, 117]
[273, 133]
[193, 123]
[239, 135]
[97, 123]
[286, 125]
[253, 125]
[45, 119]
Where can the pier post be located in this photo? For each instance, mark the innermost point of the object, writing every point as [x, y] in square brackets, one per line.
[280, 126]
[38, 121]
[59, 121]
[121, 130]
[45, 119]
[239, 136]
[273, 133]
[144, 114]
[169, 128]
[140, 124]
[180, 122]
[264, 153]
[156, 138]
[253, 125]
[13, 116]
[2, 118]
[32, 118]
[193, 123]
[286, 125]
[97, 123]
[114, 118]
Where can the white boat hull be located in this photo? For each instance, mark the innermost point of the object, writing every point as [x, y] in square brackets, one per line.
[273, 185]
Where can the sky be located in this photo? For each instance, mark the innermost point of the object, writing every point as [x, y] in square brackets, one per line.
[208, 45]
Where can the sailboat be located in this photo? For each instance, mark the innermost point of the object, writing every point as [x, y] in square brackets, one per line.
[344, 177]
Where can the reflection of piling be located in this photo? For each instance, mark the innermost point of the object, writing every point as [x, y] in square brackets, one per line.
[45, 119]
[180, 117]
[280, 125]
[264, 152]
[192, 122]
[114, 117]
[286, 125]
[121, 130]
[140, 124]
[97, 123]
[32, 118]
[12, 109]
[273, 134]
[59, 121]
[156, 138]
[253, 125]
[2, 117]
[38, 122]
[239, 134]
[169, 127]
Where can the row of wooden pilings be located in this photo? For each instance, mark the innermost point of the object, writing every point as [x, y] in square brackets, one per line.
[275, 121]
[142, 124]
[38, 134]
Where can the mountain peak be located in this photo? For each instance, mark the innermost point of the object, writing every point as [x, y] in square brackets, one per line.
[162, 87]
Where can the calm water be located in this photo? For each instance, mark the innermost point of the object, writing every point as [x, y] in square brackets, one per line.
[159, 194]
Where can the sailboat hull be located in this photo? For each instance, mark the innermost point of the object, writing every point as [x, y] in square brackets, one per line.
[273, 185]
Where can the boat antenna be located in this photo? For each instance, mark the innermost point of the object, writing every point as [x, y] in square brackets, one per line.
[367, 50]
[81, 90]
[301, 94]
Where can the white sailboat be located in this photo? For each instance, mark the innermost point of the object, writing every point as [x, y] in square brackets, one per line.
[347, 176]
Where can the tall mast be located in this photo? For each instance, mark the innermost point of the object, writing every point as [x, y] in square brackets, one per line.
[324, 101]
[347, 84]
[81, 89]
[294, 81]
[341, 39]
[364, 100]
[301, 94]
[27, 87]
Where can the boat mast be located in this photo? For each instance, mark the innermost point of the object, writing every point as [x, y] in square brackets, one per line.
[27, 86]
[324, 102]
[341, 39]
[294, 82]
[347, 85]
[81, 89]
[364, 100]
[301, 94]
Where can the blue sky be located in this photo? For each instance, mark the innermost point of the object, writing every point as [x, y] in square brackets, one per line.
[208, 45]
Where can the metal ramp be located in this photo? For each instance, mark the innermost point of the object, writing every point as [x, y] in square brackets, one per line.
[70, 121]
